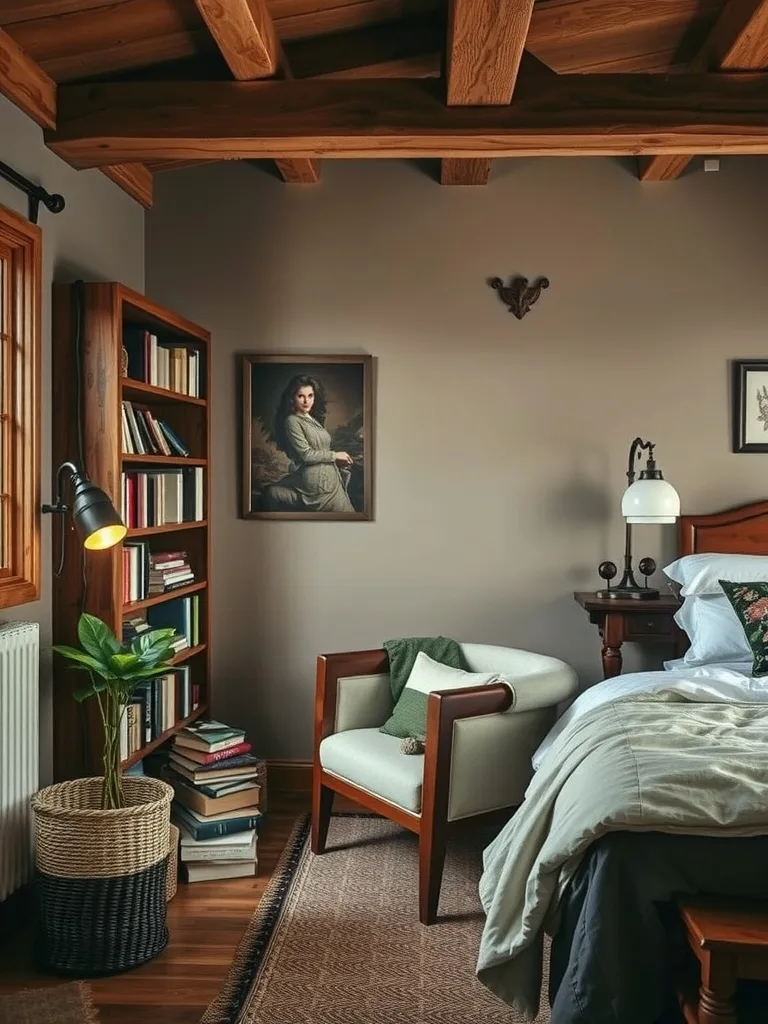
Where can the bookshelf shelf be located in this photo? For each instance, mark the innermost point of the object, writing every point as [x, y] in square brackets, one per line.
[148, 531]
[163, 460]
[187, 653]
[159, 740]
[167, 595]
[94, 324]
[138, 389]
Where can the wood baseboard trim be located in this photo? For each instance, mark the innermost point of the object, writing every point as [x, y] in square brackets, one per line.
[289, 776]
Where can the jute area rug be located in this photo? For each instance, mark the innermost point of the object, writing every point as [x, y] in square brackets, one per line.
[57, 1004]
[336, 939]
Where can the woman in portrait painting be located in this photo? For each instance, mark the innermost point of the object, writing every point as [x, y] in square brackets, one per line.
[318, 478]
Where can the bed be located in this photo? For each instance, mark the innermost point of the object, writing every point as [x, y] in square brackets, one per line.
[650, 785]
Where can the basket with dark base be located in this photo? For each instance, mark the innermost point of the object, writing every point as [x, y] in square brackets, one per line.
[101, 875]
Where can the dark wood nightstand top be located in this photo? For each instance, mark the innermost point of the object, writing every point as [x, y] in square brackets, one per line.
[589, 601]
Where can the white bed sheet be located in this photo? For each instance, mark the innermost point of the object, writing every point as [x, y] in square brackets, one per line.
[729, 682]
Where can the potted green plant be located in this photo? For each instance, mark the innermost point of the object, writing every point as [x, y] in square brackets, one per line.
[102, 844]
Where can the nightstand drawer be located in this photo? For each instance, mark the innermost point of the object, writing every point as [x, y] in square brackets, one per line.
[648, 626]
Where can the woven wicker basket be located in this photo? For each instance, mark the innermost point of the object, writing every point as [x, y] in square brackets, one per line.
[102, 876]
[173, 865]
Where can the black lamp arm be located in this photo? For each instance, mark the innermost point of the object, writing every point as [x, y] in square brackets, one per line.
[635, 448]
[59, 505]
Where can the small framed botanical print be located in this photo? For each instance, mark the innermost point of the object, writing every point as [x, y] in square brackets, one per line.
[306, 435]
[749, 398]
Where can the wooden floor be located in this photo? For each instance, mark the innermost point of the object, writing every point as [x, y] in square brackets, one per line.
[206, 921]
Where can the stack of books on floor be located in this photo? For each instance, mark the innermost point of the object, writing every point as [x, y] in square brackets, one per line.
[216, 806]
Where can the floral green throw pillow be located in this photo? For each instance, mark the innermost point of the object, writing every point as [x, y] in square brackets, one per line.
[750, 602]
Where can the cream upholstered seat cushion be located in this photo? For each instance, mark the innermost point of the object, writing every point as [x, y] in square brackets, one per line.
[371, 760]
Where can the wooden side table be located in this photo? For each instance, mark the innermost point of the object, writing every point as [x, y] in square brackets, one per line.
[619, 621]
[730, 940]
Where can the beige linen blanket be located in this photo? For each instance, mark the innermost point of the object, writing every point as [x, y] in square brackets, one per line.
[656, 762]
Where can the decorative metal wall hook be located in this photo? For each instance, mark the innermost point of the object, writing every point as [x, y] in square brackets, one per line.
[518, 295]
[35, 193]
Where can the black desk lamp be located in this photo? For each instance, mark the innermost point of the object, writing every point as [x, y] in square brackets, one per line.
[93, 514]
[649, 499]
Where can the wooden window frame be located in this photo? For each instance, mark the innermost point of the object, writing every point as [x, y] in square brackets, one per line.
[20, 581]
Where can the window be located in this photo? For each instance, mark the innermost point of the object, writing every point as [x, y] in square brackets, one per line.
[20, 274]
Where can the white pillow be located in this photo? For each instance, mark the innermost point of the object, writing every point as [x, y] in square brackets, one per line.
[428, 675]
[699, 574]
[714, 630]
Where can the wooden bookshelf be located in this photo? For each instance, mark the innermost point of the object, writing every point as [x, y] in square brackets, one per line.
[93, 580]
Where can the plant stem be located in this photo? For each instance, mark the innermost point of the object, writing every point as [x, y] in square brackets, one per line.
[113, 789]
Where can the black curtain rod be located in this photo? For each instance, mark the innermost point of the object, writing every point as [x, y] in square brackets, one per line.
[35, 193]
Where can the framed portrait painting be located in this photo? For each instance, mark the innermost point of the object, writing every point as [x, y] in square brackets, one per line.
[749, 401]
[307, 437]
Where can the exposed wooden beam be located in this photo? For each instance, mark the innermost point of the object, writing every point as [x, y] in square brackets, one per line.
[25, 84]
[135, 179]
[410, 48]
[470, 171]
[565, 115]
[738, 42]
[661, 168]
[34, 92]
[485, 46]
[245, 34]
[299, 171]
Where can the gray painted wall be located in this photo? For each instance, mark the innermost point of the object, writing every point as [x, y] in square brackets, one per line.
[501, 446]
[99, 236]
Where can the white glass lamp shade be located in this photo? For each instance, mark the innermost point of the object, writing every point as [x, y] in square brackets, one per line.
[650, 501]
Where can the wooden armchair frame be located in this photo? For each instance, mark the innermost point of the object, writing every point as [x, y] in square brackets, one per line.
[432, 826]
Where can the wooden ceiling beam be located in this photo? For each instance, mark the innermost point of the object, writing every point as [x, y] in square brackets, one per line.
[25, 84]
[28, 87]
[485, 46]
[562, 115]
[135, 179]
[409, 48]
[738, 42]
[245, 34]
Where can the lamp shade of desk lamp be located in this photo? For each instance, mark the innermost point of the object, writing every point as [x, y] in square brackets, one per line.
[95, 518]
[648, 499]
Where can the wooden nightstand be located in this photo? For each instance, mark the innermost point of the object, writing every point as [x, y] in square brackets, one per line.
[642, 622]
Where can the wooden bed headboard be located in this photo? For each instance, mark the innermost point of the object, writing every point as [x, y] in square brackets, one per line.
[742, 531]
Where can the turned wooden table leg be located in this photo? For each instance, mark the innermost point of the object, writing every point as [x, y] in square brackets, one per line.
[715, 1008]
[612, 634]
[717, 989]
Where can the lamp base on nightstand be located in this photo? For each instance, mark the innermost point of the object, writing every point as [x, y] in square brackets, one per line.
[628, 594]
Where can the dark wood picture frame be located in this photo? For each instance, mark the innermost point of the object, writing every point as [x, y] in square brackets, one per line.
[276, 483]
[748, 407]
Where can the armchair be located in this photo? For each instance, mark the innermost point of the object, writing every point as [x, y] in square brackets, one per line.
[477, 756]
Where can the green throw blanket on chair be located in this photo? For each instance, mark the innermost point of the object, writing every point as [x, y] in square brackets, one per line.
[402, 655]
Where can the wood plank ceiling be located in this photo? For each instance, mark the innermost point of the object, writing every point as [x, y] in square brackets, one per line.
[142, 86]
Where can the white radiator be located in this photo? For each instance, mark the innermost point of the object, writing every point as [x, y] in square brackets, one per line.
[19, 749]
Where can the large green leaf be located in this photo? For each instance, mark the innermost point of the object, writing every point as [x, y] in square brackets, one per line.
[84, 694]
[121, 664]
[96, 637]
[82, 658]
[145, 644]
[138, 675]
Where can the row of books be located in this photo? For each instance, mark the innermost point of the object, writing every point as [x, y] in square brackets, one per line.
[163, 364]
[155, 706]
[148, 572]
[180, 613]
[216, 804]
[144, 434]
[161, 497]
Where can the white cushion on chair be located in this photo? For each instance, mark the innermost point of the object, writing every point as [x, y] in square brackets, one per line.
[372, 760]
